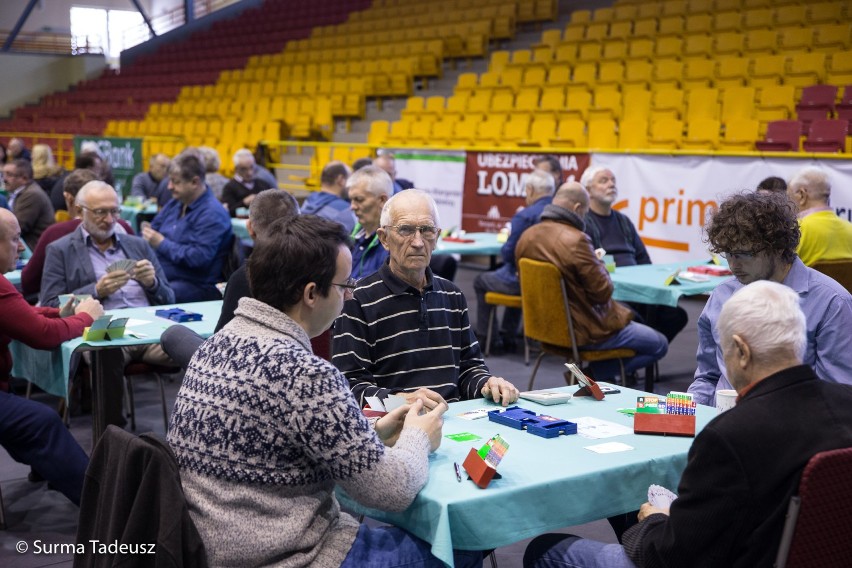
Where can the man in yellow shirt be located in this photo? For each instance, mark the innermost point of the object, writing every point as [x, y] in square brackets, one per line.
[825, 236]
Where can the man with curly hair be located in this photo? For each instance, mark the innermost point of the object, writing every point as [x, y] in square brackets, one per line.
[758, 234]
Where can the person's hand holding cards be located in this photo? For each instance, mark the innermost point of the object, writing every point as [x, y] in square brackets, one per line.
[117, 275]
[153, 237]
[143, 272]
[500, 391]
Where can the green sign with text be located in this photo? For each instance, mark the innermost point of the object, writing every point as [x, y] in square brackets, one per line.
[124, 155]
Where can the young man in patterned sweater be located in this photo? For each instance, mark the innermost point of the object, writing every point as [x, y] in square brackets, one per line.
[264, 430]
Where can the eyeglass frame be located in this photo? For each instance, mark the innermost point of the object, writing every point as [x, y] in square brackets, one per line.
[102, 213]
[415, 230]
[738, 255]
[348, 286]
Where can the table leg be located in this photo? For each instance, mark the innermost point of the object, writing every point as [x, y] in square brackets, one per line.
[107, 373]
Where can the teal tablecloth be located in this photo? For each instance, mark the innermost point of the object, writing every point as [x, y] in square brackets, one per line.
[644, 283]
[130, 213]
[547, 484]
[14, 277]
[484, 244]
[51, 370]
[239, 228]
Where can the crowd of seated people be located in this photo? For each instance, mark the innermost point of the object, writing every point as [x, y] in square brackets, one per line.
[359, 267]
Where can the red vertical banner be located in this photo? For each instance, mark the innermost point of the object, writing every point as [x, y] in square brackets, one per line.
[494, 186]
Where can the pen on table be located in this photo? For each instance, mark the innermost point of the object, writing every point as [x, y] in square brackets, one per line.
[458, 473]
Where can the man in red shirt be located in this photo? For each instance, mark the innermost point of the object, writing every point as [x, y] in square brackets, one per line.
[32, 433]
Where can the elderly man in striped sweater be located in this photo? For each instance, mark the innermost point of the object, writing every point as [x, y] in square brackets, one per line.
[407, 331]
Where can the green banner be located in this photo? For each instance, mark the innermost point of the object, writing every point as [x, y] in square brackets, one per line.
[124, 156]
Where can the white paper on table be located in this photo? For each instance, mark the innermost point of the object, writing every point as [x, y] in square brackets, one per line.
[474, 414]
[133, 321]
[392, 402]
[609, 447]
[375, 403]
[596, 429]
[660, 497]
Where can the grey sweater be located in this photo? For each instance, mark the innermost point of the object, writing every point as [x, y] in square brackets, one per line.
[263, 430]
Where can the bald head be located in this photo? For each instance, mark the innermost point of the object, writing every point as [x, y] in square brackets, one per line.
[572, 196]
[11, 245]
[7, 220]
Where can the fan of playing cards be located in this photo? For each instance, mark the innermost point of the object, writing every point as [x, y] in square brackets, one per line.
[125, 264]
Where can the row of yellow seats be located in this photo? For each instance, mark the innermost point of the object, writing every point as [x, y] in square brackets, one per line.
[640, 8]
[569, 132]
[651, 21]
[528, 10]
[788, 38]
[769, 103]
[501, 22]
[799, 69]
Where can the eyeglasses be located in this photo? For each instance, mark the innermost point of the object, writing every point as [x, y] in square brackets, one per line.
[406, 231]
[348, 286]
[738, 255]
[103, 212]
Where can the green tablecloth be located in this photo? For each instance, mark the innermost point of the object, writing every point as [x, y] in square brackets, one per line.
[644, 283]
[547, 484]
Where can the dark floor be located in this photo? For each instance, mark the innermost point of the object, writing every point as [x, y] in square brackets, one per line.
[38, 516]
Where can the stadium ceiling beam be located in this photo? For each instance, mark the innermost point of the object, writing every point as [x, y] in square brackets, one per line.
[7, 45]
[144, 17]
[188, 10]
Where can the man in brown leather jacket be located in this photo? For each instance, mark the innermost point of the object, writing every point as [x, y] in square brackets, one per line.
[599, 322]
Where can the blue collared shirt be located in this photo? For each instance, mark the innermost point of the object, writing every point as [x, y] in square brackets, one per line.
[521, 221]
[195, 246]
[131, 295]
[329, 206]
[368, 254]
[828, 311]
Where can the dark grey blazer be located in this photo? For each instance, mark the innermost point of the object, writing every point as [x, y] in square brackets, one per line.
[68, 269]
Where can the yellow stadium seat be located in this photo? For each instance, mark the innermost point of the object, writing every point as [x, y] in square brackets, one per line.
[758, 18]
[503, 102]
[550, 38]
[614, 50]
[640, 103]
[442, 131]
[542, 130]
[750, 4]
[624, 12]
[581, 16]
[701, 134]
[761, 41]
[839, 71]
[607, 105]
[776, 103]
[666, 133]
[670, 26]
[490, 131]
[669, 47]
[379, 130]
[610, 74]
[698, 72]
[570, 133]
[499, 59]
[666, 103]
[674, 7]
[645, 28]
[527, 100]
[543, 54]
[421, 132]
[805, 69]
[640, 48]
[825, 13]
[490, 79]
[638, 73]
[559, 74]
[590, 52]
[738, 104]
[465, 133]
[596, 31]
[698, 23]
[831, 37]
[565, 53]
[740, 135]
[633, 134]
[577, 103]
[729, 43]
[466, 82]
[620, 30]
[727, 21]
[521, 57]
[553, 99]
[790, 14]
[767, 70]
[517, 129]
[732, 71]
[435, 105]
[603, 15]
[414, 107]
[727, 5]
[480, 101]
[535, 76]
[512, 77]
[648, 10]
[602, 134]
[794, 39]
[702, 103]
[668, 73]
[695, 45]
[574, 32]
[585, 74]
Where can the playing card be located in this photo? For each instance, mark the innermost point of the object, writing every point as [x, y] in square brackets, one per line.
[660, 497]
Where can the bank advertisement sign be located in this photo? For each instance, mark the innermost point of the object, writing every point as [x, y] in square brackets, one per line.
[124, 155]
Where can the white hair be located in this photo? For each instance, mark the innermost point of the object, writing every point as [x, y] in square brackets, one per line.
[389, 209]
[243, 154]
[590, 173]
[767, 316]
[541, 183]
[815, 181]
[90, 187]
[378, 181]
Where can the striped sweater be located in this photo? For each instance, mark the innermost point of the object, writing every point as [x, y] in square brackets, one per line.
[391, 338]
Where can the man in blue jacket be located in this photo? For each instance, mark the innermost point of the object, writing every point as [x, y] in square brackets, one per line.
[331, 201]
[369, 189]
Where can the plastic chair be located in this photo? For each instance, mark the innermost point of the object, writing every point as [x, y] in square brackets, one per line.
[494, 299]
[825, 135]
[542, 290]
[817, 102]
[138, 368]
[816, 532]
[781, 136]
[840, 270]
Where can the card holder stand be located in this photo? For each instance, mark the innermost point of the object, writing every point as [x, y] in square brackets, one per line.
[103, 334]
[664, 424]
[592, 390]
[479, 471]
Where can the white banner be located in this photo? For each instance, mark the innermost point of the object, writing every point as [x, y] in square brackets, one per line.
[669, 197]
[441, 174]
